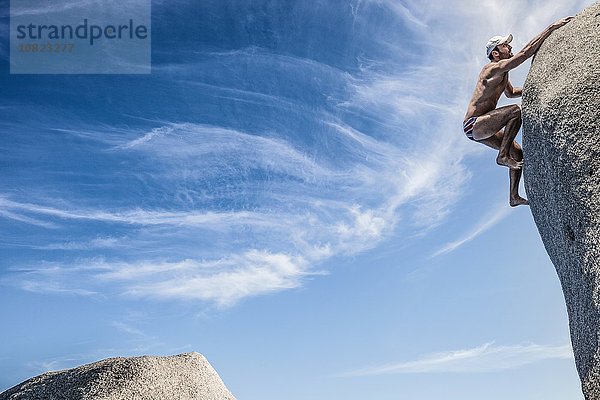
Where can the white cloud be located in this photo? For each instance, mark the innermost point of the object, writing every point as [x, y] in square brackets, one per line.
[400, 10]
[365, 225]
[325, 207]
[245, 275]
[350, 209]
[408, 170]
[222, 281]
[498, 214]
[188, 142]
[50, 287]
[129, 329]
[485, 358]
[28, 220]
[135, 216]
[98, 243]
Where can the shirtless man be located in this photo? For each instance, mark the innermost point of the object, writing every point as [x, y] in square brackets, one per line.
[484, 122]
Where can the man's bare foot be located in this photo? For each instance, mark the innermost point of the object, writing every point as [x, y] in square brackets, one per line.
[518, 201]
[509, 162]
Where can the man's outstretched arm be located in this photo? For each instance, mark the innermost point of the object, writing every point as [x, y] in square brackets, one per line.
[532, 47]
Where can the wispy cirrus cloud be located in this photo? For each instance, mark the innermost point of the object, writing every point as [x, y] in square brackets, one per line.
[239, 276]
[222, 281]
[5, 213]
[295, 178]
[50, 287]
[136, 216]
[500, 212]
[485, 358]
[404, 12]
[97, 243]
[308, 210]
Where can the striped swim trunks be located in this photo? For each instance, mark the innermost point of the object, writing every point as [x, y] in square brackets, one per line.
[468, 127]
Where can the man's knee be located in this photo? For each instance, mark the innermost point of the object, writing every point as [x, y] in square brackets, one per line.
[515, 111]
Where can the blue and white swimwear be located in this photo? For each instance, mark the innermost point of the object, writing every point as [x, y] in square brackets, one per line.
[468, 127]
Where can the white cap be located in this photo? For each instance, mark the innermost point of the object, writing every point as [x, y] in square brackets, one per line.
[497, 41]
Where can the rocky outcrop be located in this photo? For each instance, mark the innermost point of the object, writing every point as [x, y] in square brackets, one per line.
[183, 377]
[561, 142]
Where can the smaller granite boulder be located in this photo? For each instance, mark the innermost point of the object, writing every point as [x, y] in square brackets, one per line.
[184, 377]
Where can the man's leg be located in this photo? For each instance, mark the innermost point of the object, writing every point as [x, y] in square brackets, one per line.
[489, 124]
[514, 174]
[515, 177]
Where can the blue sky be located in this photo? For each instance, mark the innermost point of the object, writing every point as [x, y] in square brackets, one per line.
[288, 193]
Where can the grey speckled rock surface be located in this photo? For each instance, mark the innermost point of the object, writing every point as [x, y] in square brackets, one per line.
[561, 142]
[183, 377]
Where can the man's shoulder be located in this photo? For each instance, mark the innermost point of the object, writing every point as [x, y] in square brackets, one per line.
[491, 69]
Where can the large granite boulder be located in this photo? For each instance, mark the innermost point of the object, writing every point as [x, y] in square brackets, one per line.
[183, 377]
[561, 142]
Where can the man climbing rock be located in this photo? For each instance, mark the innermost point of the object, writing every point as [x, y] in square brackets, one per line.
[498, 127]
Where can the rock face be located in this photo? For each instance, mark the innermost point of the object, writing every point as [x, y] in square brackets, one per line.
[561, 142]
[183, 377]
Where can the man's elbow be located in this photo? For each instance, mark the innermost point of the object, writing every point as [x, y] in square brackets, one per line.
[517, 92]
[526, 53]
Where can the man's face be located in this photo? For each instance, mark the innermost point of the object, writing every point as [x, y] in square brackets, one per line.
[504, 51]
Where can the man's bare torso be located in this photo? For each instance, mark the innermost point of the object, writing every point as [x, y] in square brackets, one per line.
[488, 90]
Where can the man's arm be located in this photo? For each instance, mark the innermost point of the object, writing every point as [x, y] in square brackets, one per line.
[512, 92]
[532, 47]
